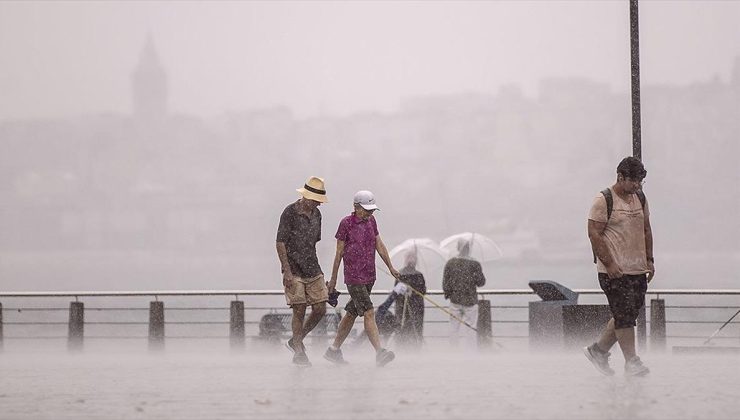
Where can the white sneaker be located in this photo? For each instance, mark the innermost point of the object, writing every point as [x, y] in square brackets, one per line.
[599, 359]
[634, 367]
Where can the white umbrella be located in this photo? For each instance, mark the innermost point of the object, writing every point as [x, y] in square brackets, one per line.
[482, 248]
[429, 256]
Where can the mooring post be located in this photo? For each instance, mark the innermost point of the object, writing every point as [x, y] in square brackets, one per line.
[156, 325]
[1, 326]
[236, 324]
[657, 324]
[485, 334]
[76, 332]
[642, 329]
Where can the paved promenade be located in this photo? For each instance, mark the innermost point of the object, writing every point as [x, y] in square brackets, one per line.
[198, 382]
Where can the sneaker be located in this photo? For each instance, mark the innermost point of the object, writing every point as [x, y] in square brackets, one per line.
[384, 357]
[634, 367]
[335, 356]
[300, 359]
[289, 345]
[600, 359]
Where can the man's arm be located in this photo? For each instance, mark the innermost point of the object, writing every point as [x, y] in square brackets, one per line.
[649, 249]
[447, 281]
[596, 236]
[284, 264]
[335, 268]
[380, 247]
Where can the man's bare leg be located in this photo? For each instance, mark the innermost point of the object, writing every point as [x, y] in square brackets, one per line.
[296, 324]
[345, 326]
[626, 339]
[317, 312]
[371, 328]
[608, 337]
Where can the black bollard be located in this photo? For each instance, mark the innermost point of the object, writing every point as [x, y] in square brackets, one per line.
[156, 325]
[76, 333]
[1, 326]
[236, 324]
[657, 324]
[642, 329]
[485, 334]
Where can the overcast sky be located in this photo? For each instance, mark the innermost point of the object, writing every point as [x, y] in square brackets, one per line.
[60, 59]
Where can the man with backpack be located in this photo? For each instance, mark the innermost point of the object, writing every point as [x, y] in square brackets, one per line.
[622, 242]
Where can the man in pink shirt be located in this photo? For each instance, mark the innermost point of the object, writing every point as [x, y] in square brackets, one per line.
[357, 241]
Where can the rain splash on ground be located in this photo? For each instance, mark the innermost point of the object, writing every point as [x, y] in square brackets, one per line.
[202, 381]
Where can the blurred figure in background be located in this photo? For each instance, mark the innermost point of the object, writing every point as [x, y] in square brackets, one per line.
[462, 276]
[410, 306]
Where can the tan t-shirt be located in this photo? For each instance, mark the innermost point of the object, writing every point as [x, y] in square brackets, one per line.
[625, 232]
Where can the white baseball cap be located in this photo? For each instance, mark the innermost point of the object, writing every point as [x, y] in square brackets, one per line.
[366, 199]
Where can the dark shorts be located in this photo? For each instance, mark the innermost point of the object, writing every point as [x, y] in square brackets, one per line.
[626, 295]
[360, 299]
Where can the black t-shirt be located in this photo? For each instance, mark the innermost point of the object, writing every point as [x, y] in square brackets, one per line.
[300, 233]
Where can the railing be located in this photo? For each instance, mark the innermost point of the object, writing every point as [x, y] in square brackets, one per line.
[210, 316]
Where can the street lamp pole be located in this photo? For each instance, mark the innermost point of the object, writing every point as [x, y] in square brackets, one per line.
[635, 54]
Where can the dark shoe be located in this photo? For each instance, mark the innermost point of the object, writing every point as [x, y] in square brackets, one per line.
[599, 359]
[335, 356]
[384, 357]
[300, 359]
[289, 345]
[634, 367]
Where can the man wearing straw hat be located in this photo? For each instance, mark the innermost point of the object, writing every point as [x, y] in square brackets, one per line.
[357, 241]
[297, 235]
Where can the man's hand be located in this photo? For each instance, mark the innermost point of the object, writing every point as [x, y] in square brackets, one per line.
[395, 273]
[651, 271]
[287, 278]
[613, 271]
[332, 284]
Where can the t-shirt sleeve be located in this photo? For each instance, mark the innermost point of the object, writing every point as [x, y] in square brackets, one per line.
[283, 232]
[598, 209]
[342, 231]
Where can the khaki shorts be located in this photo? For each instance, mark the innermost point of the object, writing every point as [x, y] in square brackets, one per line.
[307, 291]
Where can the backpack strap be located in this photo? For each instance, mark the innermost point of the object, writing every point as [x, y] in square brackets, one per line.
[607, 193]
[641, 196]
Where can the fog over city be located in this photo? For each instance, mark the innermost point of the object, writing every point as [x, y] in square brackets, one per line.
[153, 145]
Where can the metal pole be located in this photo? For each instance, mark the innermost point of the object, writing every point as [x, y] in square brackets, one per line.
[156, 325]
[236, 330]
[657, 324]
[635, 54]
[484, 323]
[1, 325]
[76, 325]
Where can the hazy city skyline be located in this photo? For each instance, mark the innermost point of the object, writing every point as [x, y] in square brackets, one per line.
[66, 59]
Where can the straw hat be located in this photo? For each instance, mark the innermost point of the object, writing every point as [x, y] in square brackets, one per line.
[314, 190]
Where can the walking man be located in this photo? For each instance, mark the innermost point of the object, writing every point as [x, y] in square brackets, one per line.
[462, 276]
[622, 241]
[357, 241]
[297, 235]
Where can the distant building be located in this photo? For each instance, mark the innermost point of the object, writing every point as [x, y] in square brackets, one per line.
[149, 86]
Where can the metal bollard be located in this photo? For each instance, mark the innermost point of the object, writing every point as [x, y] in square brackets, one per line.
[76, 333]
[236, 324]
[642, 329]
[485, 334]
[156, 325]
[657, 324]
[1, 325]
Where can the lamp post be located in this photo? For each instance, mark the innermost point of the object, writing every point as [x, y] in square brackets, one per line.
[635, 54]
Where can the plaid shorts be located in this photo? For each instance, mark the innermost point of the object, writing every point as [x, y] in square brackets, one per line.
[360, 302]
[626, 295]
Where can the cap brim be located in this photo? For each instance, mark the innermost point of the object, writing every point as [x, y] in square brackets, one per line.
[369, 206]
[312, 196]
